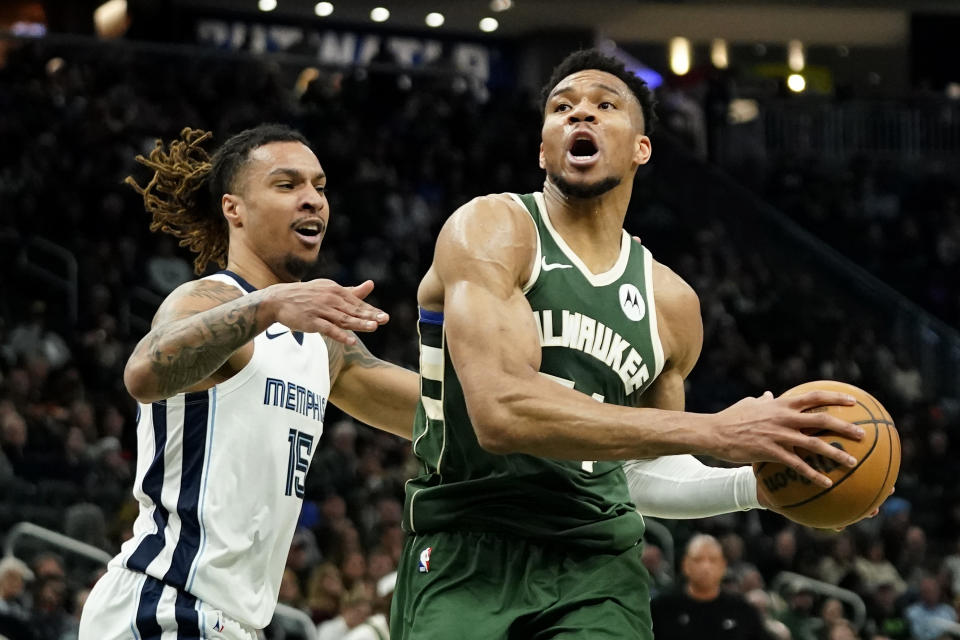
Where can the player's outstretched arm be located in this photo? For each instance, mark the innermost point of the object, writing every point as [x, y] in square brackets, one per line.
[483, 255]
[372, 390]
[203, 330]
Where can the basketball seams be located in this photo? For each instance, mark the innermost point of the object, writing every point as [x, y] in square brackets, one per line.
[886, 475]
[761, 465]
[863, 458]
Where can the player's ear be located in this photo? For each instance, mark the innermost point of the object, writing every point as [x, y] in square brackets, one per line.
[232, 207]
[641, 149]
[543, 163]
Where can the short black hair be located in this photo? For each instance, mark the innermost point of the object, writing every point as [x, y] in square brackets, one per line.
[595, 59]
[230, 158]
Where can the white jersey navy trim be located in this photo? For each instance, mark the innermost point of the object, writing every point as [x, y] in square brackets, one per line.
[217, 517]
[195, 415]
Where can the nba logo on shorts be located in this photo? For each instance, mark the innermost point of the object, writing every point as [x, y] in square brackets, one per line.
[219, 625]
[425, 559]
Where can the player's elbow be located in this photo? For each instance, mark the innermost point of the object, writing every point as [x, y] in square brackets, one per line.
[139, 381]
[494, 427]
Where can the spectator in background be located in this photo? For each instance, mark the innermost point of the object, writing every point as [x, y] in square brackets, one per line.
[952, 564]
[885, 615]
[13, 443]
[355, 607]
[49, 618]
[798, 616]
[912, 560]
[377, 626]
[874, 569]
[782, 557]
[926, 616]
[831, 611]
[324, 591]
[763, 603]
[841, 629]
[165, 269]
[661, 573]
[702, 609]
[838, 566]
[14, 614]
[72, 626]
[33, 338]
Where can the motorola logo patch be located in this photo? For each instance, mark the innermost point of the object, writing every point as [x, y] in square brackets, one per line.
[632, 302]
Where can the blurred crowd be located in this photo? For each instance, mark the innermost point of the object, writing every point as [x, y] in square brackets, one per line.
[401, 154]
[902, 223]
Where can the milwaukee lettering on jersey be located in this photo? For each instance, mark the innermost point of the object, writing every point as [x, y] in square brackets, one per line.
[291, 396]
[583, 333]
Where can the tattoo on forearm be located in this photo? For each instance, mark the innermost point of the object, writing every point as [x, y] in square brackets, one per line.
[182, 353]
[358, 354]
[344, 356]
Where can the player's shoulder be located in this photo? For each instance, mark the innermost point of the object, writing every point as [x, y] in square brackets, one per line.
[493, 214]
[194, 297]
[493, 205]
[673, 291]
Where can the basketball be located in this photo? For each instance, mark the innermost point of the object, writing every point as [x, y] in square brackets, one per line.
[856, 491]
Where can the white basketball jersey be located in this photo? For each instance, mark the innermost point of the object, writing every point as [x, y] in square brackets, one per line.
[220, 475]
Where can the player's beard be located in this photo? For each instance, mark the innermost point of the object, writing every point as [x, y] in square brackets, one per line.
[297, 268]
[590, 190]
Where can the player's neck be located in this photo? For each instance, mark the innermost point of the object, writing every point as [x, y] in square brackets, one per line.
[703, 593]
[252, 269]
[592, 227]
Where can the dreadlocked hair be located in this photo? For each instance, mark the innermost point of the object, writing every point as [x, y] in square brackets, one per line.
[178, 200]
[188, 184]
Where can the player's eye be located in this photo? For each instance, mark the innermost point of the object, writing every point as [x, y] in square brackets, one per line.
[321, 188]
[607, 105]
[284, 185]
[563, 106]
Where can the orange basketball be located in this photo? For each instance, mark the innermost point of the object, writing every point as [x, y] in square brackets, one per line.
[856, 491]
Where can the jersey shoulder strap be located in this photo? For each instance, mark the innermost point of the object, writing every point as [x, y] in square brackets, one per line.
[529, 202]
[229, 277]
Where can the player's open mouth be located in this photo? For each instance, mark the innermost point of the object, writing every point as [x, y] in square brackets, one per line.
[583, 151]
[310, 231]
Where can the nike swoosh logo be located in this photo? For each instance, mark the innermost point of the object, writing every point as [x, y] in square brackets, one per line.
[546, 266]
[271, 336]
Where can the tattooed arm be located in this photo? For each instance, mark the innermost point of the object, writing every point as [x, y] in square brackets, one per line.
[202, 334]
[371, 390]
[196, 330]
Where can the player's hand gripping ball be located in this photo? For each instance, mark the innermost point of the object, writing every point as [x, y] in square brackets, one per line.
[856, 492]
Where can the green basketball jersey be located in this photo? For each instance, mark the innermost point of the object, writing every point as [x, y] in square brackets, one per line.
[598, 335]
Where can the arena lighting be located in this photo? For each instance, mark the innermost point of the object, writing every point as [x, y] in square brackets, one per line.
[719, 55]
[489, 25]
[110, 19]
[796, 82]
[266, 5]
[500, 5]
[380, 14]
[323, 9]
[434, 19]
[680, 55]
[795, 56]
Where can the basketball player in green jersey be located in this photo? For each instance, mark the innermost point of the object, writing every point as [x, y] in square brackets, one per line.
[553, 349]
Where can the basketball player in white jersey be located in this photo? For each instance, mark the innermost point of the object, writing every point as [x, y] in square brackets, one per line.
[232, 382]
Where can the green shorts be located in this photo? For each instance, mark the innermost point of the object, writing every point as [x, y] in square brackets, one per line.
[484, 586]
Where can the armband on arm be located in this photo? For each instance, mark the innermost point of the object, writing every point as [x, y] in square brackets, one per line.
[680, 486]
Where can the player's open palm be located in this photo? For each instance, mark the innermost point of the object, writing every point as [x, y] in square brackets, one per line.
[768, 429]
[325, 307]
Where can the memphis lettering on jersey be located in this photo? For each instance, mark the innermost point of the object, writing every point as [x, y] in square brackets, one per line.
[295, 398]
[583, 333]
